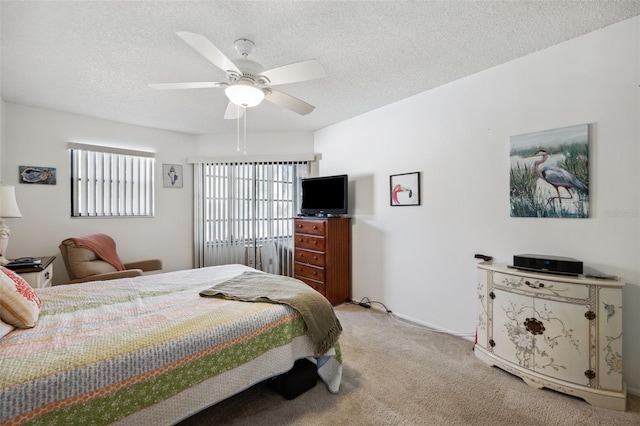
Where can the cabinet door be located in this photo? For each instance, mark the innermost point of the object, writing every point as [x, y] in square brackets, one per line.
[549, 337]
[513, 342]
[562, 349]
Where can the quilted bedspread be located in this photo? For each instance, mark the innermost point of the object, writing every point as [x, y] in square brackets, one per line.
[146, 349]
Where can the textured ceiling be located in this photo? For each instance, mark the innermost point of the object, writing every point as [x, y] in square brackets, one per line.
[96, 58]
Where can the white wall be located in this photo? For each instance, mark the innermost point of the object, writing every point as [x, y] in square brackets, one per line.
[419, 260]
[39, 137]
[2, 137]
[265, 144]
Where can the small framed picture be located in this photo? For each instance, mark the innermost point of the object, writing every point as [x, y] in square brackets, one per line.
[172, 176]
[37, 175]
[405, 189]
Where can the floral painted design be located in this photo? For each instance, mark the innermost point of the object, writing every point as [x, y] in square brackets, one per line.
[482, 316]
[531, 283]
[529, 338]
[612, 357]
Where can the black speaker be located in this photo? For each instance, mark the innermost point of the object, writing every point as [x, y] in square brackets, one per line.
[548, 264]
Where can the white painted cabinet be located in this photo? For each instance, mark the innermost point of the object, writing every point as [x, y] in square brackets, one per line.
[553, 331]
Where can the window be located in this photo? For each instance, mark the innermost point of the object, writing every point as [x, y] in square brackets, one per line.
[244, 213]
[109, 182]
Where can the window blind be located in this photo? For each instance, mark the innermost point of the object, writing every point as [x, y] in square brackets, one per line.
[109, 182]
[244, 213]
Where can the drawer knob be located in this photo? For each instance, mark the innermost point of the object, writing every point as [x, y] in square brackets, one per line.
[46, 275]
[315, 227]
[534, 326]
[590, 315]
[534, 285]
[590, 374]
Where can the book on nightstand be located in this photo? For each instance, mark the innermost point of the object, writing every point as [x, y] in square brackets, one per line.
[29, 264]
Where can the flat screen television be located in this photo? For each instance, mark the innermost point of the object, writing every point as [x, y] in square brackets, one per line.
[325, 196]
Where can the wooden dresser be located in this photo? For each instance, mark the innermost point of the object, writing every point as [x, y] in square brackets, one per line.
[323, 256]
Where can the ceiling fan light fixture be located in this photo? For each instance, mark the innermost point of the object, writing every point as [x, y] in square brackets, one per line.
[244, 94]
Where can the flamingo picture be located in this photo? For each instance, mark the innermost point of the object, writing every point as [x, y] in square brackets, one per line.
[405, 189]
[398, 189]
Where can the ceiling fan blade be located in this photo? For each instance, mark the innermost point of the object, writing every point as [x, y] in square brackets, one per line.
[233, 112]
[293, 73]
[288, 101]
[195, 85]
[208, 50]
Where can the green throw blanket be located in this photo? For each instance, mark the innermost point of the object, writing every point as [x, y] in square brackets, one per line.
[322, 324]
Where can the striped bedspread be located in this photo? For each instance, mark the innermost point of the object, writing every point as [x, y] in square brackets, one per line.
[146, 350]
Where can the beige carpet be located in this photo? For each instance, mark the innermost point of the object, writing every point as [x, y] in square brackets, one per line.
[399, 374]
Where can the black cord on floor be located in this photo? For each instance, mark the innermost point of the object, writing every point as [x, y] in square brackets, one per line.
[366, 303]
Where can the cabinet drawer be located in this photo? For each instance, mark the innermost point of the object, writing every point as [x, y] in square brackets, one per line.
[308, 271]
[39, 279]
[316, 285]
[536, 286]
[306, 226]
[309, 242]
[312, 257]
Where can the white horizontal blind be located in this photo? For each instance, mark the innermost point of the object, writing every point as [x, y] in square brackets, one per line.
[244, 213]
[111, 183]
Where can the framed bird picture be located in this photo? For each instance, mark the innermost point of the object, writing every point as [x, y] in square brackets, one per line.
[549, 174]
[405, 189]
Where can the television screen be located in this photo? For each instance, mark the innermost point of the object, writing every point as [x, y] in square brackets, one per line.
[325, 196]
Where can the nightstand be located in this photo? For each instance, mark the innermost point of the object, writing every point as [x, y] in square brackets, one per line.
[37, 276]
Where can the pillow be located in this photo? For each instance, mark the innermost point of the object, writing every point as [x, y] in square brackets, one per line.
[19, 304]
[5, 328]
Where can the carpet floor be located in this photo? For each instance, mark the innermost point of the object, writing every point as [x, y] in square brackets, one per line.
[395, 373]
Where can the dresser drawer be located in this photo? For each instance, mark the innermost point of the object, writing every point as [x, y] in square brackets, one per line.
[316, 285]
[308, 271]
[536, 286]
[312, 257]
[309, 242]
[306, 226]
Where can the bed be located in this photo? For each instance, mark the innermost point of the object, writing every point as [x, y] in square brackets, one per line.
[148, 350]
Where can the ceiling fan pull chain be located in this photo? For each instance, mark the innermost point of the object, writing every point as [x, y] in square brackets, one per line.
[245, 132]
[238, 128]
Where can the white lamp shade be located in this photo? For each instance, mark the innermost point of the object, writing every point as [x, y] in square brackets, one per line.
[8, 204]
[244, 94]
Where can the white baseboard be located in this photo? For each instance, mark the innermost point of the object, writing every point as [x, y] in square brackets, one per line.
[467, 336]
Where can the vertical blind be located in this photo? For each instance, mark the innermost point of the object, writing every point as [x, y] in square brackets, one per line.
[244, 213]
[107, 182]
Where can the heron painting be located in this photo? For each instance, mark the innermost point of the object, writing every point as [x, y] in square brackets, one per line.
[549, 174]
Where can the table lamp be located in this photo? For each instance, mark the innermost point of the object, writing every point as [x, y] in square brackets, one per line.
[8, 208]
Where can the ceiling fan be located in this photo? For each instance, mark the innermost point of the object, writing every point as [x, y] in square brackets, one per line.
[247, 83]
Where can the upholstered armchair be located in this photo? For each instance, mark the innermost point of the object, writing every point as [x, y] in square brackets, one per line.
[94, 258]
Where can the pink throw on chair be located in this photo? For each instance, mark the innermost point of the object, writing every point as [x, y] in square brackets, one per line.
[103, 246]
